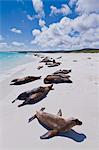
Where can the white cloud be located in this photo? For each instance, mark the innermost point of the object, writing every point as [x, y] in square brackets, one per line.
[3, 45]
[35, 32]
[38, 7]
[16, 31]
[30, 17]
[64, 10]
[81, 32]
[41, 23]
[87, 6]
[18, 44]
[72, 2]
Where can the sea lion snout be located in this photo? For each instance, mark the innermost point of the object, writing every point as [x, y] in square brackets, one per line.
[78, 122]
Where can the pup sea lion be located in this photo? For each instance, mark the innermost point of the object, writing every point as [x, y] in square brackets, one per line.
[57, 79]
[35, 96]
[24, 80]
[54, 123]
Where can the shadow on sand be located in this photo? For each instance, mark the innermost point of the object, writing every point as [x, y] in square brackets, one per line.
[77, 137]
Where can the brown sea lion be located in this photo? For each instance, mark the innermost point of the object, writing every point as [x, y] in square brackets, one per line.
[59, 57]
[33, 97]
[57, 79]
[46, 59]
[39, 67]
[24, 80]
[54, 64]
[62, 71]
[54, 123]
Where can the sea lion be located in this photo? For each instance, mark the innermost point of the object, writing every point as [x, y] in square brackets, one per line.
[62, 71]
[75, 60]
[54, 64]
[24, 80]
[57, 79]
[46, 59]
[39, 67]
[54, 123]
[35, 96]
[59, 57]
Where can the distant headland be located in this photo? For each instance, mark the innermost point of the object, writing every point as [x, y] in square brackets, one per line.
[87, 50]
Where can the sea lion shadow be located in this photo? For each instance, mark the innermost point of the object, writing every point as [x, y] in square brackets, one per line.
[72, 134]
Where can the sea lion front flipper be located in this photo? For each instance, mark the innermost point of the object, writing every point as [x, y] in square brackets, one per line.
[49, 134]
[59, 112]
[14, 80]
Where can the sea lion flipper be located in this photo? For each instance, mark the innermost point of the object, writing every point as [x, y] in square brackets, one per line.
[59, 112]
[14, 100]
[14, 80]
[32, 118]
[49, 134]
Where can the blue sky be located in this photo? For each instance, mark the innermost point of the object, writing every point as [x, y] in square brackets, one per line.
[49, 24]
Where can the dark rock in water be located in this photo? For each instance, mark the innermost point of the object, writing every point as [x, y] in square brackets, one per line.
[36, 95]
[24, 80]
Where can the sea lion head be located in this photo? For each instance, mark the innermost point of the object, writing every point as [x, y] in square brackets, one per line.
[78, 122]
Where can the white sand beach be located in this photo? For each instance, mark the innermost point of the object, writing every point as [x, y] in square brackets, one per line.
[79, 99]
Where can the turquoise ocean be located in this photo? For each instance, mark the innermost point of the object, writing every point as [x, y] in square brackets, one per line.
[11, 60]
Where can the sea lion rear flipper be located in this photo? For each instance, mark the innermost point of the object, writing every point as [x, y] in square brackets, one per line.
[59, 112]
[14, 100]
[49, 134]
[32, 118]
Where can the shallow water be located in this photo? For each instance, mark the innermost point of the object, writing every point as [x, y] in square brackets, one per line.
[10, 60]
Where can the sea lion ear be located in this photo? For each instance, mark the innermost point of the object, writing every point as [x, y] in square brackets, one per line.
[59, 112]
[49, 134]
